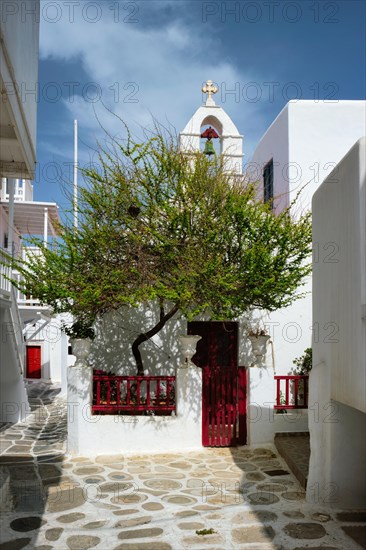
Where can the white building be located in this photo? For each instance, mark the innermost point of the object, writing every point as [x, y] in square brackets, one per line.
[302, 146]
[20, 316]
[18, 113]
[31, 337]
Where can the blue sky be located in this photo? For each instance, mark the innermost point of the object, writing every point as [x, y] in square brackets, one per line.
[149, 58]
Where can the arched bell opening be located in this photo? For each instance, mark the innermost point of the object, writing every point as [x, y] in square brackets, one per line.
[211, 136]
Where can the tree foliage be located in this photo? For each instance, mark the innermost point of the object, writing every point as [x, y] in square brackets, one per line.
[157, 224]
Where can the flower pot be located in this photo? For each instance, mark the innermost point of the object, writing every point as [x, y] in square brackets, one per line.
[81, 350]
[259, 348]
[188, 344]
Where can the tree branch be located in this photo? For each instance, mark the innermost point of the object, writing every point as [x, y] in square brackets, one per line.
[147, 335]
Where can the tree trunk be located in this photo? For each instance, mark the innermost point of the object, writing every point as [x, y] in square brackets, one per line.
[147, 335]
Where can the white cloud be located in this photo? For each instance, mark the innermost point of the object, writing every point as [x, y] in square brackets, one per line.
[160, 67]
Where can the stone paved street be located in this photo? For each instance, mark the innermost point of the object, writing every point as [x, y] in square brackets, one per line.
[216, 498]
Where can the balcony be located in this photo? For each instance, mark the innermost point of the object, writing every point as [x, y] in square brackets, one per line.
[18, 107]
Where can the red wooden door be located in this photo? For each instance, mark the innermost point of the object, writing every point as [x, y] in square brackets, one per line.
[224, 383]
[33, 361]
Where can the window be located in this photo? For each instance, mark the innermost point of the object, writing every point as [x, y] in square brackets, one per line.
[268, 182]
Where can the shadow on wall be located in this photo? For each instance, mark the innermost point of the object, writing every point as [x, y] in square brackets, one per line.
[116, 331]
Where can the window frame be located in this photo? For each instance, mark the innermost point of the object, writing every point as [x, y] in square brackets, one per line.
[268, 182]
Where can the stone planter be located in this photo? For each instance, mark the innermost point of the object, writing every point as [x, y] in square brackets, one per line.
[259, 348]
[188, 345]
[81, 350]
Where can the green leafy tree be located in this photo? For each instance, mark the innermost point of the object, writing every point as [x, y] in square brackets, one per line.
[157, 224]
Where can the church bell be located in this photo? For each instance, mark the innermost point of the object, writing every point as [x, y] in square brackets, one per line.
[209, 148]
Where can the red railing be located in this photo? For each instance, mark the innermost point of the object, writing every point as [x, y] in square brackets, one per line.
[133, 394]
[292, 392]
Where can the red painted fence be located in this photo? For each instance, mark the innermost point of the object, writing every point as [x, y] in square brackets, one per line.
[292, 392]
[133, 394]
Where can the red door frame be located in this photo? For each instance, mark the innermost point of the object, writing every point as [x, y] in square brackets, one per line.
[33, 362]
[224, 383]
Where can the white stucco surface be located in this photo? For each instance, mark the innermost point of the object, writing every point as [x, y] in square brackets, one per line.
[295, 420]
[338, 380]
[339, 290]
[110, 434]
[261, 399]
[306, 141]
[111, 350]
[13, 396]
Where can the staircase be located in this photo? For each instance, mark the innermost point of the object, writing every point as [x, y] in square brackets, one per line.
[14, 405]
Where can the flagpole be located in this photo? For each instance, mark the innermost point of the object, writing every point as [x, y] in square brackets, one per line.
[75, 174]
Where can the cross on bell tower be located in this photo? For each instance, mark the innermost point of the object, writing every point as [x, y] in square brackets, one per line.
[209, 88]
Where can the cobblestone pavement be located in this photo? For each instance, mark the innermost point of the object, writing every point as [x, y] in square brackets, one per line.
[216, 498]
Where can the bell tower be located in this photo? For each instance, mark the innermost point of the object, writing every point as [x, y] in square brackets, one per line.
[210, 121]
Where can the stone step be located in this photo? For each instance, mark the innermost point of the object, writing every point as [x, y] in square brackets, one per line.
[295, 450]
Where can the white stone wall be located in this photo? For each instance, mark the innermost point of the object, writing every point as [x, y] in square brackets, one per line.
[110, 434]
[13, 396]
[261, 399]
[273, 145]
[295, 420]
[319, 135]
[338, 380]
[339, 289]
[111, 350]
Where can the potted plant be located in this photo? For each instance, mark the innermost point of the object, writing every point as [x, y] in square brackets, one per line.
[188, 344]
[282, 402]
[304, 363]
[81, 335]
[303, 366]
[259, 339]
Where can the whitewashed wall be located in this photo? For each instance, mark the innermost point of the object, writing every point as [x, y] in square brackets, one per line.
[306, 141]
[338, 380]
[261, 399]
[110, 434]
[319, 135]
[111, 350]
[339, 289]
[273, 145]
[13, 396]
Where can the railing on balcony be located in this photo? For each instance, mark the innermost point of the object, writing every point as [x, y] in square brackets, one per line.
[21, 298]
[133, 395]
[5, 271]
[292, 392]
[17, 331]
